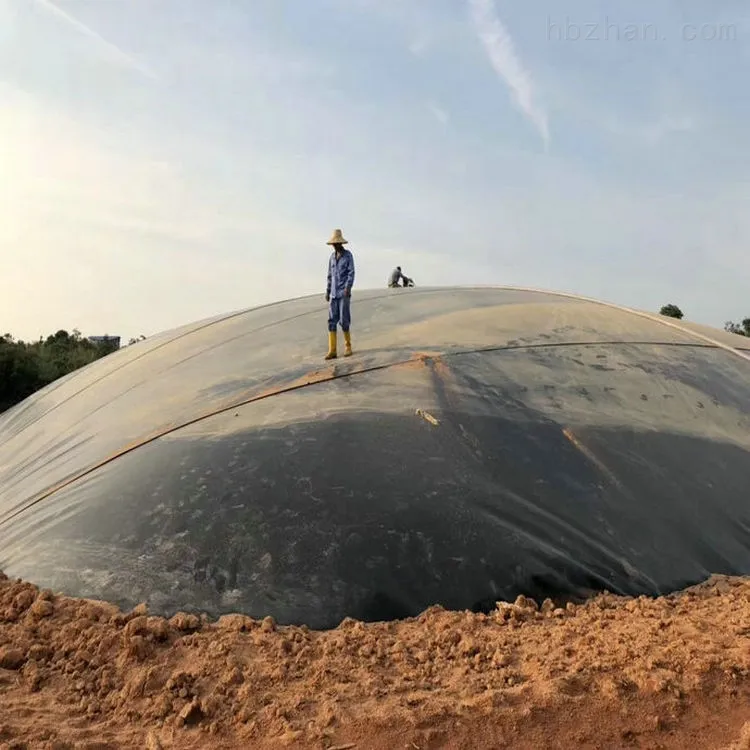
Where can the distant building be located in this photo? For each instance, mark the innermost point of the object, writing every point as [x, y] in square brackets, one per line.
[113, 341]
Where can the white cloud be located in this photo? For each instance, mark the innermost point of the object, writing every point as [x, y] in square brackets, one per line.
[653, 132]
[438, 113]
[112, 51]
[420, 43]
[500, 49]
[592, 102]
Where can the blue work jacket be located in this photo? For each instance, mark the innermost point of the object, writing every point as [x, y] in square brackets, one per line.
[340, 274]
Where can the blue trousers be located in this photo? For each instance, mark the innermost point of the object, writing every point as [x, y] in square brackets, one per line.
[339, 311]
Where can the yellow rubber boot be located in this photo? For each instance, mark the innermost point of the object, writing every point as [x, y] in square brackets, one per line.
[348, 342]
[331, 345]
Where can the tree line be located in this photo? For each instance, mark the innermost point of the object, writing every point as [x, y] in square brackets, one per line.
[27, 367]
[741, 329]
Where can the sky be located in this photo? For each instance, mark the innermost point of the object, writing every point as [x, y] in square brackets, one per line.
[163, 161]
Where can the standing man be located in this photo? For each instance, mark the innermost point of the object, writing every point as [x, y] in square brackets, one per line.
[339, 292]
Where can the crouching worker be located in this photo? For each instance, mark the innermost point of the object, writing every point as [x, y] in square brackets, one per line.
[338, 293]
[396, 276]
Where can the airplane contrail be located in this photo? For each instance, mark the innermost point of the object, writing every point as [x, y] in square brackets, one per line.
[500, 49]
[122, 57]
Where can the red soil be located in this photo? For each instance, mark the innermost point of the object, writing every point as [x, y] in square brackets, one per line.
[670, 673]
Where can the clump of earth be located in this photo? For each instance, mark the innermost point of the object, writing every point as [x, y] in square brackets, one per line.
[671, 672]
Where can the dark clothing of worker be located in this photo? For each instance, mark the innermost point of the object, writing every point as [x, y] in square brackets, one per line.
[396, 276]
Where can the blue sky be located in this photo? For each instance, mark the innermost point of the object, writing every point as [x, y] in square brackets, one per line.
[168, 160]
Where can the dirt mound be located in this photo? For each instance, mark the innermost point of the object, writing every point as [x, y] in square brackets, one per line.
[616, 672]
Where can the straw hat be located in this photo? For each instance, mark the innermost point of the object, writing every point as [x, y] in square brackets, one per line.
[337, 238]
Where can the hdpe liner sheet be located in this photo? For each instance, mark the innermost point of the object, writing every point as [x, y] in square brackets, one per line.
[557, 449]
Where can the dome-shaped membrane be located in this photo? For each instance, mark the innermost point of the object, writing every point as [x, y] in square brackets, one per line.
[479, 444]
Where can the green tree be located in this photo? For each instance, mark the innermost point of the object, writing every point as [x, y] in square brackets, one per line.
[742, 329]
[671, 311]
[27, 367]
